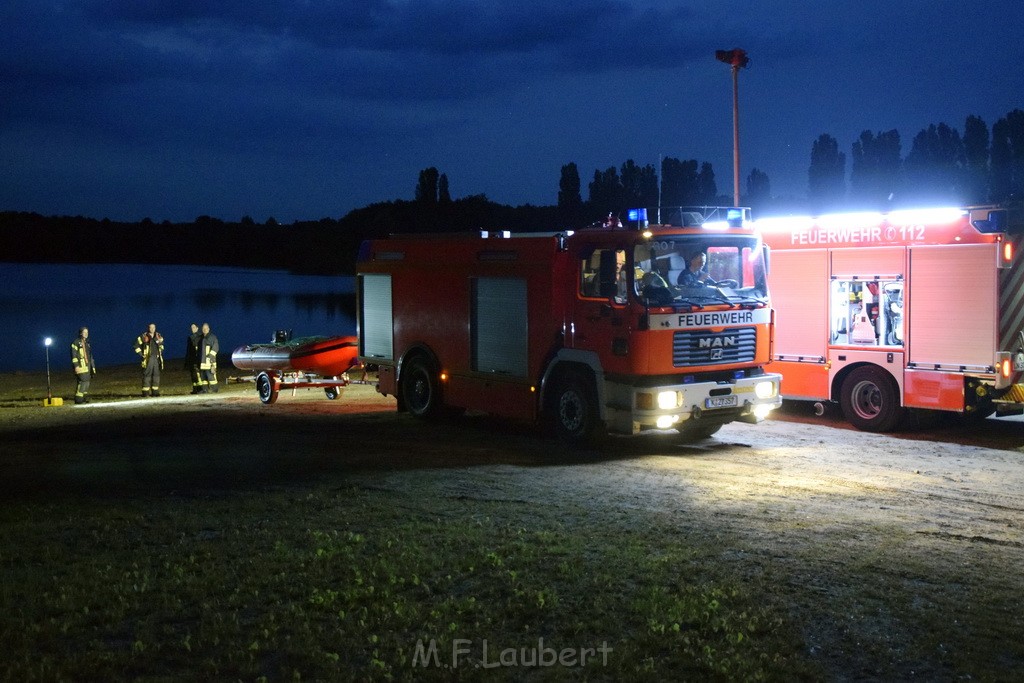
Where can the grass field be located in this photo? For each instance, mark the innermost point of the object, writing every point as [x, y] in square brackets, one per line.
[339, 583]
[213, 538]
[334, 580]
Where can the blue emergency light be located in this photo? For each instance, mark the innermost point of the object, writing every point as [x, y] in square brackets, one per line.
[637, 214]
[734, 217]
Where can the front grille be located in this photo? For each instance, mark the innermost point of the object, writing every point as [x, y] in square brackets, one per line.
[699, 347]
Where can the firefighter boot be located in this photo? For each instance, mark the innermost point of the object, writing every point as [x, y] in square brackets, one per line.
[145, 393]
[156, 392]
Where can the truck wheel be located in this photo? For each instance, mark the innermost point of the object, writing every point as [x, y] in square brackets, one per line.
[332, 392]
[574, 409]
[266, 388]
[870, 400]
[421, 392]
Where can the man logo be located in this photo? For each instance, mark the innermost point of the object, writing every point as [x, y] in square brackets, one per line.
[716, 342]
[716, 345]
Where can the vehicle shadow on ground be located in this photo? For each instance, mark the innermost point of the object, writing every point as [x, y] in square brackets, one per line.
[199, 453]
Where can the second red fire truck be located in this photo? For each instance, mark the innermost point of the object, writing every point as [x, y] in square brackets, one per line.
[910, 309]
[591, 330]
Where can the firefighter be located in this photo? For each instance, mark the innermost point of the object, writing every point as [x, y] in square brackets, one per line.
[208, 349]
[150, 347]
[695, 275]
[192, 357]
[83, 363]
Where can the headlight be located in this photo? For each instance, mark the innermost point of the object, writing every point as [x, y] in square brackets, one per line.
[668, 400]
[764, 389]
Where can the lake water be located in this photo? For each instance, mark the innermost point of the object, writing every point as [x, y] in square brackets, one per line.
[116, 302]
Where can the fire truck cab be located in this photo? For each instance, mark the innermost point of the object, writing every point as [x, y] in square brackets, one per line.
[590, 330]
[910, 309]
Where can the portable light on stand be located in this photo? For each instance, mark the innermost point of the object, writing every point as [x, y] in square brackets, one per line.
[50, 400]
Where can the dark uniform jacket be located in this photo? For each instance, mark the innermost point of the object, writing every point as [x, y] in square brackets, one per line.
[148, 347]
[209, 347]
[192, 350]
[81, 357]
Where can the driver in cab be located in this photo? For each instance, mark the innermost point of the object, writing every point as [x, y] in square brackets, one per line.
[694, 274]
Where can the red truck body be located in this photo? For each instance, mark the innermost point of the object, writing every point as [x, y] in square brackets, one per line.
[562, 326]
[910, 309]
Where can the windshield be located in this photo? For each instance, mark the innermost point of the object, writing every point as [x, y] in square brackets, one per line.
[700, 270]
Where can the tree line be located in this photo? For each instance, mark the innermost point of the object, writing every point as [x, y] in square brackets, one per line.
[943, 166]
[977, 166]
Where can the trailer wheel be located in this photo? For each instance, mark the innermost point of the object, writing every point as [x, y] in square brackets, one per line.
[421, 391]
[332, 392]
[574, 408]
[870, 400]
[266, 388]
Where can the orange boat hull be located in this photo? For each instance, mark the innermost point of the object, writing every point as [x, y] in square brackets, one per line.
[324, 356]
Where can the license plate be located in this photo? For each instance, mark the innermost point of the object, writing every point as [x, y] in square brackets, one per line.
[720, 402]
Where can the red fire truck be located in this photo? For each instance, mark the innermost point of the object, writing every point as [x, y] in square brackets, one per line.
[910, 309]
[586, 329]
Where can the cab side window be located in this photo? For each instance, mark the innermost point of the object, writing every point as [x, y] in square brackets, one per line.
[590, 265]
[603, 274]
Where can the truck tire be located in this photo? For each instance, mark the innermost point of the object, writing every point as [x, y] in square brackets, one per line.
[266, 388]
[421, 390]
[870, 400]
[574, 411]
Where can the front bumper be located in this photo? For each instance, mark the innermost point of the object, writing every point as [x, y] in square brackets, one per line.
[631, 409]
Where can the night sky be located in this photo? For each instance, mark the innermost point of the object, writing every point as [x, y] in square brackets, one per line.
[170, 109]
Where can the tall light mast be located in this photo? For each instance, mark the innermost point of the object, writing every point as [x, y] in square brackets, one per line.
[737, 59]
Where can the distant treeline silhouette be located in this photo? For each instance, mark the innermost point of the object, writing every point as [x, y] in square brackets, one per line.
[942, 166]
[327, 245]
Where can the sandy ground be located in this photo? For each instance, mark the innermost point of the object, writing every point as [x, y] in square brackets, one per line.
[807, 504]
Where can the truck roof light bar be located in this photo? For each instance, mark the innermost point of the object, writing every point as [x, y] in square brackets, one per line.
[708, 217]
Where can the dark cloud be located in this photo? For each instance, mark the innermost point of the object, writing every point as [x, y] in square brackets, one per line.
[372, 91]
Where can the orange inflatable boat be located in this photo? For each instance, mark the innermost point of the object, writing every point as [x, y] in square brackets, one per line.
[324, 356]
[302, 363]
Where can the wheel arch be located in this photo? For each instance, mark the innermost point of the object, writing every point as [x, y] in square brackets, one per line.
[836, 386]
[566, 361]
[416, 350]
